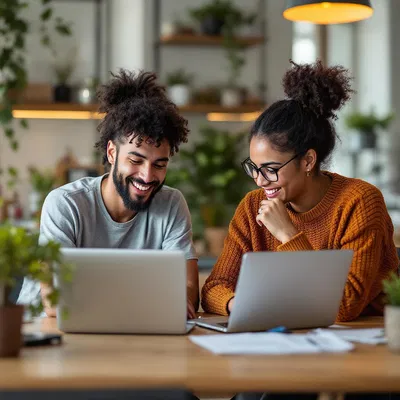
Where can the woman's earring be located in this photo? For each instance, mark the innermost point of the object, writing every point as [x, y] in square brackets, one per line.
[308, 173]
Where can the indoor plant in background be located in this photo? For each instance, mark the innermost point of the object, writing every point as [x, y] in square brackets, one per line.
[21, 256]
[62, 91]
[391, 287]
[178, 87]
[367, 125]
[212, 181]
[42, 184]
[212, 16]
[63, 69]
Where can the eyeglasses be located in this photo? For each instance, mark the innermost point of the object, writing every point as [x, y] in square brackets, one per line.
[269, 173]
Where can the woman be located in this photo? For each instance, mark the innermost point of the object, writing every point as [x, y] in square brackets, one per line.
[301, 207]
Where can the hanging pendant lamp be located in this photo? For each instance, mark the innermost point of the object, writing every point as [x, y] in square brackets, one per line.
[328, 12]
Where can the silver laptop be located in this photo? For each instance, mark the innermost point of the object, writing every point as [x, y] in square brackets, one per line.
[124, 291]
[300, 289]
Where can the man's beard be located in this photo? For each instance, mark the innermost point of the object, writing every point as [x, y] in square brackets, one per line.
[122, 185]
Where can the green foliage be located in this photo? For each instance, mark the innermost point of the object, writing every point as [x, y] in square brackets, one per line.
[391, 287]
[21, 255]
[210, 177]
[179, 77]
[218, 9]
[367, 123]
[42, 182]
[233, 19]
[63, 73]
[14, 29]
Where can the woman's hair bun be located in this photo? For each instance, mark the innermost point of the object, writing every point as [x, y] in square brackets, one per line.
[128, 86]
[318, 88]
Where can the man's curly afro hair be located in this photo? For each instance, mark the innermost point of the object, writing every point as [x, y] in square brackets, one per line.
[137, 107]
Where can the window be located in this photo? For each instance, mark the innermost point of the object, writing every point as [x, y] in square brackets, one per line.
[305, 42]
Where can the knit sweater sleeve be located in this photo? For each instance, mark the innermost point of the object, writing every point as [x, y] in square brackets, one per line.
[220, 286]
[369, 233]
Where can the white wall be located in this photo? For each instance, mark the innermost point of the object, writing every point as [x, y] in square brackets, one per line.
[40, 60]
[127, 30]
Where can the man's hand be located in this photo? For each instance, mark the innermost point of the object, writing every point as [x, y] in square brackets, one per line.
[274, 216]
[191, 313]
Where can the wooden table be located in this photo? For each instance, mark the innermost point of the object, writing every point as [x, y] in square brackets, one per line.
[133, 361]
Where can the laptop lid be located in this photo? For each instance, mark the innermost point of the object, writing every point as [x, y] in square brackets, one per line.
[124, 291]
[300, 289]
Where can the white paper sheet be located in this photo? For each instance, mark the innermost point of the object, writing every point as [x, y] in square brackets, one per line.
[366, 336]
[273, 343]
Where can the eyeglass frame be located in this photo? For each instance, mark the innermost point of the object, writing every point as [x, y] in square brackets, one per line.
[248, 161]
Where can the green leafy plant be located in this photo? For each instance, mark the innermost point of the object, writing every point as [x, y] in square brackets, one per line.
[218, 9]
[179, 77]
[14, 29]
[210, 177]
[42, 182]
[63, 73]
[367, 123]
[64, 66]
[391, 287]
[21, 256]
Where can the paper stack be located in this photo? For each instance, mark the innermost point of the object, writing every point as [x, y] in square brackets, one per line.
[273, 343]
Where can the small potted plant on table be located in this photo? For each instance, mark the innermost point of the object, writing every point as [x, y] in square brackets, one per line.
[21, 256]
[391, 287]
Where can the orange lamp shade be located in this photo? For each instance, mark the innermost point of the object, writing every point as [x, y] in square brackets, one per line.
[328, 12]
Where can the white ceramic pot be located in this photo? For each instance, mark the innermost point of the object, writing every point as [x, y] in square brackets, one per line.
[392, 327]
[179, 94]
[231, 97]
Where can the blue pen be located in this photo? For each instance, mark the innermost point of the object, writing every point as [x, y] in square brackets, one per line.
[279, 329]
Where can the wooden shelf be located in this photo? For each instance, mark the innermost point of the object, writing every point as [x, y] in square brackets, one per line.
[217, 108]
[203, 40]
[92, 108]
[56, 107]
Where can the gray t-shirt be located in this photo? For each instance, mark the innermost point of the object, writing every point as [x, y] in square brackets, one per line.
[75, 216]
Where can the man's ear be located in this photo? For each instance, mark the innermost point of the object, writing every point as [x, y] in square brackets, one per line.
[111, 152]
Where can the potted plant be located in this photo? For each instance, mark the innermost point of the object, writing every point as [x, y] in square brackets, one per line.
[212, 16]
[178, 87]
[210, 177]
[366, 126]
[62, 91]
[21, 256]
[391, 287]
[42, 184]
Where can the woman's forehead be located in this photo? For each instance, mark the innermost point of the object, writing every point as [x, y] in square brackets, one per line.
[262, 150]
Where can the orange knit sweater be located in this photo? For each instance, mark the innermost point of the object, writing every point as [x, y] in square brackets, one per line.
[352, 215]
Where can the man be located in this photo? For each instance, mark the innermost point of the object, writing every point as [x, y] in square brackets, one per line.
[129, 207]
